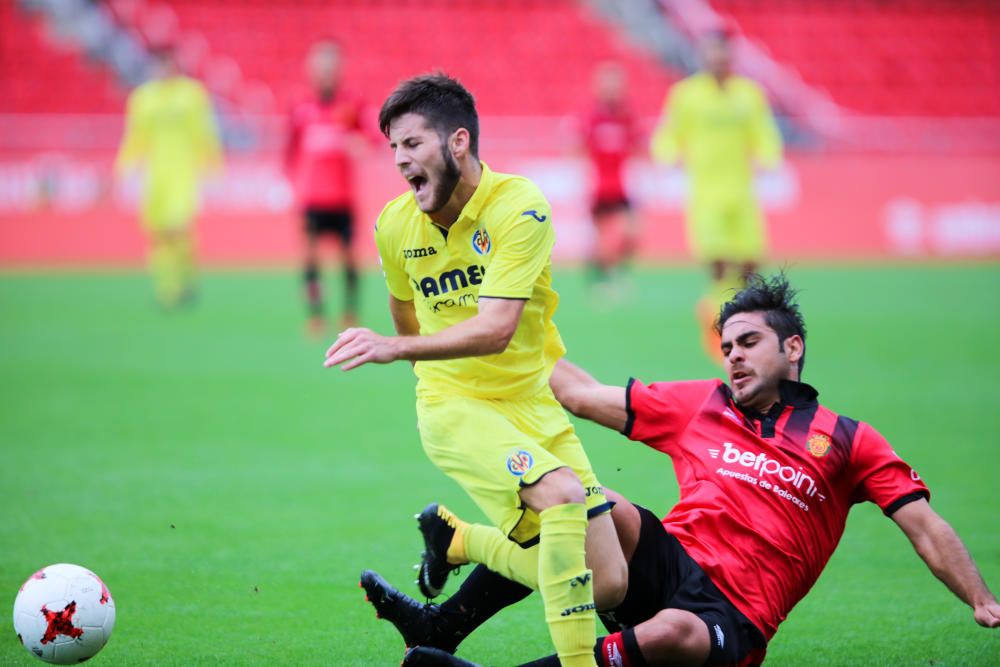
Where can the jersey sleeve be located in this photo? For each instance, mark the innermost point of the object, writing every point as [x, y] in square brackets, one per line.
[136, 138]
[207, 130]
[395, 276]
[879, 474]
[665, 145]
[659, 413]
[523, 248]
[766, 139]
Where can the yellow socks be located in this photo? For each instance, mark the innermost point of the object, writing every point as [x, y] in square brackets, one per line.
[556, 567]
[165, 272]
[489, 546]
[566, 585]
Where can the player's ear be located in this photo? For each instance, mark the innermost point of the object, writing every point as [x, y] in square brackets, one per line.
[458, 142]
[794, 348]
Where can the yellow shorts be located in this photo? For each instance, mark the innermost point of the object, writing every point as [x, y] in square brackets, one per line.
[495, 447]
[732, 233]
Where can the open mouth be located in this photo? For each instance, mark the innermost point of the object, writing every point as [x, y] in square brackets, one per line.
[418, 183]
[739, 376]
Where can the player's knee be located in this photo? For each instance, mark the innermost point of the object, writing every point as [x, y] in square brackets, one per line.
[559, 487]
[675, 637]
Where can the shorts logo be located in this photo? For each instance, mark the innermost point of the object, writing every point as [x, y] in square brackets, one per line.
[481, 242]
[720, 637]
[818, 445]
[519, 463]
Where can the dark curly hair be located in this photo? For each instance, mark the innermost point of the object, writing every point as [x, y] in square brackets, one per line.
[442, 100]
[774, 297]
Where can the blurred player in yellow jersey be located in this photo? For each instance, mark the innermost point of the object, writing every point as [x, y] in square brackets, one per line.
[718, 124]
[170, 133]
[466, 254]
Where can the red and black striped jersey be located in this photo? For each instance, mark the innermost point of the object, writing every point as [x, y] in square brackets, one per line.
[764, 497]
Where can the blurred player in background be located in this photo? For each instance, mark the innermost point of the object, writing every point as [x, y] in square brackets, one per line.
[466, 255]
[324, 135]
[609, 136]
[170, 132]
[717, 124]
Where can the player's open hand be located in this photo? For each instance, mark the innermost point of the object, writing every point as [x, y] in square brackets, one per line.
[358, 346]
[988, 615]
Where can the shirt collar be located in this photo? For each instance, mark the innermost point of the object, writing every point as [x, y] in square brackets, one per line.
[475, 204]
[790, 392]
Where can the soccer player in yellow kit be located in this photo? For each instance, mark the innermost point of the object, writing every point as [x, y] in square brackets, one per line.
[170, 131]
[466, 256]
[717, 124]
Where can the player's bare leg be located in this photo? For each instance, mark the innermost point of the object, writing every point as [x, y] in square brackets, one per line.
[673, 637]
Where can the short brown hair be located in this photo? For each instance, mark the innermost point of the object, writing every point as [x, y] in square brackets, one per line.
[442, 100]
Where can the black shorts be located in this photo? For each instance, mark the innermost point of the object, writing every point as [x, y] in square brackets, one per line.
[604, 206]
[320, 221]
[661, 575]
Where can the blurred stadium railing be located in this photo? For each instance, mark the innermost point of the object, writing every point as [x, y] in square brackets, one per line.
[891, 109]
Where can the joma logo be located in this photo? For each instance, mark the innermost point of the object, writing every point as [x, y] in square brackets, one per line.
[410, 253]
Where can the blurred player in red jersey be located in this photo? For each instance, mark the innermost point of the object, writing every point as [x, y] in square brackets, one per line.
[609, 137]
[324, 136]
[767, 477]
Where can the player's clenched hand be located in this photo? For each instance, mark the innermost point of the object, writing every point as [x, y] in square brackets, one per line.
[988, 615]
[355, 347]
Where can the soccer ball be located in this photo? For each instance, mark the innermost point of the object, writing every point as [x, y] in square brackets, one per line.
[64, 614]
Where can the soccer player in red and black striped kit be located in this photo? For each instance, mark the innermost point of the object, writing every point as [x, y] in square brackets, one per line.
[325, 131]
[610, 135]
[767, 477]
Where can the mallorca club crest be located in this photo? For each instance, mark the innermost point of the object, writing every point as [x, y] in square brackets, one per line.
[818, 445]
[481, 242]
[519, 463]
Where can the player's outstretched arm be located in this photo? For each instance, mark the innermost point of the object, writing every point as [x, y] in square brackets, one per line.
[488, 332]
[585, 397]
[942, 549]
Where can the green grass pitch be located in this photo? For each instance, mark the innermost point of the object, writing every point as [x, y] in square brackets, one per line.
[229, 489]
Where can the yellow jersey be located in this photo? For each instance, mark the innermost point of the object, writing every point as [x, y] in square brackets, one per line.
[716, 131]
[170, 130]
[500, 247]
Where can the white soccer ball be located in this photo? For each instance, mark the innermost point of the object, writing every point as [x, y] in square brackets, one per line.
[64, 614]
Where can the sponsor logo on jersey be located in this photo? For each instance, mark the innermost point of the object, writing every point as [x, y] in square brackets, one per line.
[411, 253]
[766, 467]
[818, 445]
[519, 463]
[450, 281]
[481, 241]
[534, 214]
[582, 580]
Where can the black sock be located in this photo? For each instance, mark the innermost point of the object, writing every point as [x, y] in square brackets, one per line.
[311, 277]
[350, 290]
[480, 597]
